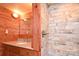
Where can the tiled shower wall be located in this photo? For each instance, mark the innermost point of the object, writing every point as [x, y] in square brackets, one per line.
[44, 20]
[63, 29]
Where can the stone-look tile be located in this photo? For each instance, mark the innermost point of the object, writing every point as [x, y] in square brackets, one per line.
[63, 30]
[44, 28]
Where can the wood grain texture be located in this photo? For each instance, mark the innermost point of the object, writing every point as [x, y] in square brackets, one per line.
[36, 25]
[7, 22]
[12, 25]
[9, 50]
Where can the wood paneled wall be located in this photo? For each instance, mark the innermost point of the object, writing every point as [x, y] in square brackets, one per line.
[7, 22]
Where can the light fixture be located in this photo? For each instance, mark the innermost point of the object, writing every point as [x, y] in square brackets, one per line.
[25, 19]
[6, 31]
[15, 15]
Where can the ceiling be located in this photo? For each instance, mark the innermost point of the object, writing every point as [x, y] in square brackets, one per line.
[22, 7]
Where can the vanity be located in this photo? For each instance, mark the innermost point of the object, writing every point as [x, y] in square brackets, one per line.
[14, 48]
